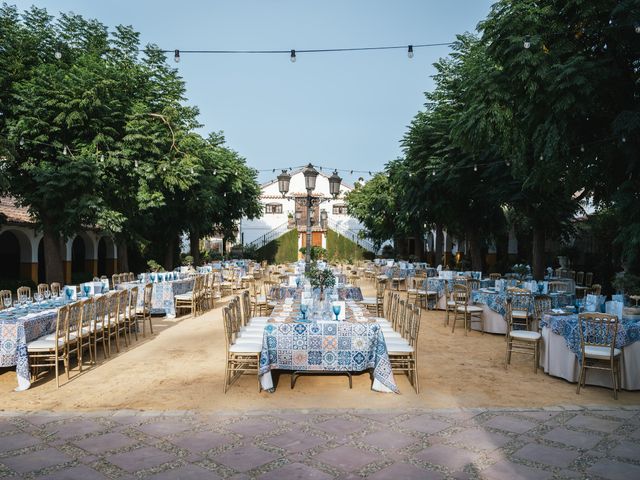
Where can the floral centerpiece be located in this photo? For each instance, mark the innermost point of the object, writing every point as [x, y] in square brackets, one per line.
[521, 270]
[320, 277]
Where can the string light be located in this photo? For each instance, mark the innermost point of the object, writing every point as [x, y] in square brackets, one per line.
[176, 56]
[293, 56]
[58, 54]
[135, 163]
[410, 51]
[475, 167]
[582, 148]
[102, 157]
[637, 28]
[21, 142]
[527, 42]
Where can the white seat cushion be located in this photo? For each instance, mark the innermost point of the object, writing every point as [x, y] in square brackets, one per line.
[451, 303]
[412, 290]
[397, 348]
[246, 348]
[525, 335]
[519, 314]
[600, 353]
[184, 296]
[470, 309]
[368, 301]
[43, 343]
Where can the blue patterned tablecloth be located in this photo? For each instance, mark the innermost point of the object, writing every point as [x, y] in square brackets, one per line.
[498, 301]
[344, 293]
[567, 326]
[16, 332]
[327, 346]
[163, 295]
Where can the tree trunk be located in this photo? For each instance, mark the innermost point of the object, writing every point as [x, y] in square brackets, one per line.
[194, 241]
[168, 254]
[52, 254]
[123, 257]
[537, 253]
[439, 246]
[476, 251]
[418, 246]
[502, 251]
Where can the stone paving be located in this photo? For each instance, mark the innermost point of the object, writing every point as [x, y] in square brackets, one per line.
[551, 443]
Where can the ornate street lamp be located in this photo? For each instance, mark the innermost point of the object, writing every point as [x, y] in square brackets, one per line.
[283, 182]
[310, 177]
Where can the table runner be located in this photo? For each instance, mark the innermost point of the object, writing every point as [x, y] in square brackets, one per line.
[344, 293]
[498, 301]
[163, 295]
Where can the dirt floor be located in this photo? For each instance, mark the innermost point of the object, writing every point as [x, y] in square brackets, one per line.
[182, 367]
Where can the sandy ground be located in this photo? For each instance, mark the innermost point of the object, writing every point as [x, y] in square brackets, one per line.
[182, 367]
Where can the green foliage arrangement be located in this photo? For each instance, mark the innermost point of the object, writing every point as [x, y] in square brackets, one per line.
[316, 253]
[627, 283]
[154, 266]
[320, 277]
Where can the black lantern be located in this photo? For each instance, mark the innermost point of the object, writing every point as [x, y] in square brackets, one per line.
[334, 184]
[323, 219]
[283, 182]
[310, 175]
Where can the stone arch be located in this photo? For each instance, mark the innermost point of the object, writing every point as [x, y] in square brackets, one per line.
[16, 252]
[106, 254]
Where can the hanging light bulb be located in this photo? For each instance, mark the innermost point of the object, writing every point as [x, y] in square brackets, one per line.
[102, 157]
[293, 56]
[58, 54]
[215, 171]
[192, 171]
[624, 139]
[475, 168]
[637, 28]
[176, 56]
[541, 157]
[527, 42]
[135, 163]
[410, 51]
[433, 173]
[21, 142]
[65, 150]
[582, 148]
[508, 163]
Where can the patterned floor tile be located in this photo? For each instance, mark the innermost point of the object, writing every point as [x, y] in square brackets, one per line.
[573, 438]
[613, 470]
[405, 471]
[295, 471]
[37, 460]
[510, 424]
[296, 441]
[556, 457]
[244, 458]
[187, 472]
[346, 458]
[451, 457]
[506, 470]
[140, 459]
[389, 440]
[202, 441]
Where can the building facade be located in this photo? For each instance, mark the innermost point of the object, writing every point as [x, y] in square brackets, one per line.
[280, 215]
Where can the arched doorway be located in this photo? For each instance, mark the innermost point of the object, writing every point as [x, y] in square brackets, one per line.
[102, 257]
[10, 255]
[78, 255]
[42, 271]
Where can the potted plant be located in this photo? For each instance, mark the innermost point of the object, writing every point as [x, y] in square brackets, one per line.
[320, 278]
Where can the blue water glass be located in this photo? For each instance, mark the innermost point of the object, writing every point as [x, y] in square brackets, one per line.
[68, 292]
[336, 311]
[303, 310]
[86, 289]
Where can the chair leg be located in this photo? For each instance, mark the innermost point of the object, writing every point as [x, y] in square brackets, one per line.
[507, 356]
[581, 376]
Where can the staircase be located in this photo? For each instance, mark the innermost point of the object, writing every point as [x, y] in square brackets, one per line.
[269, 236]
[352, 235]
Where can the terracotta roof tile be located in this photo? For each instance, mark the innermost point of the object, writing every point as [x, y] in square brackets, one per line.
[14, 213]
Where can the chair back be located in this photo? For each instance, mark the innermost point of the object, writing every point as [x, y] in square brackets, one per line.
[520, 299]
[597, 330]
[62, 326]
[414, 327]
[87, 315]
[380, 287]
[55, 289]
[541, 304]
[494, 276]
[24, 291]
[148, 295]
[133, 301]
[75, 319]
[460, 294]
[123, 301]
[5, 294]
[588, 279]
[228, 326]
[43, 287]
[580, 278]
[115, 279]
[596, 289]
[112, 301]
[473, 284]
[401, 318]
[99, 311]
[246, 307]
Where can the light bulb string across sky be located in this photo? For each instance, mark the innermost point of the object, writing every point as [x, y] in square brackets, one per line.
[293, 52]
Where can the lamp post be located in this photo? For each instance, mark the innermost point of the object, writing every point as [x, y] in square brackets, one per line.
[310, 176]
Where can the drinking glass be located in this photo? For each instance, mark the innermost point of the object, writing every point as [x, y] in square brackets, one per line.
[303, 310]
[86, 289]
[7, 302]
[47, 294]
[68, 292]
[336, 311]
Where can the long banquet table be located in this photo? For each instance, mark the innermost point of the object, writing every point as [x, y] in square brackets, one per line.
[561, 346]
[163, 294]
[356, 344]
[344, 293]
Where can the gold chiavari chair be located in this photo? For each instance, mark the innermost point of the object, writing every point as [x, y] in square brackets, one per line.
[100, 317]
[520, 341]
[541, 304]
[123, 304]
[23, 292]
[403, 353]
[42, 288]
[470, 313]
[50, 350]
[596, 289]
[241, 357]
[588, 279]
[5, 294]
[450, 303]
[111, 319]
[55, 289]
[144, 313]
[520, 306]
[598, 347]
[131, 315]
[87, 317]
[495, 276]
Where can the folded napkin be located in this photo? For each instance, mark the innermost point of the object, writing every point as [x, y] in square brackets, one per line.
[557, 310]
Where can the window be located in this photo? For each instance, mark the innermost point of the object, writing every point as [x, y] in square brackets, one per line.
[273, 208]
[339, 209]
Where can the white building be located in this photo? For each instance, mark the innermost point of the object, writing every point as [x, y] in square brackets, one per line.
[279, 215]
